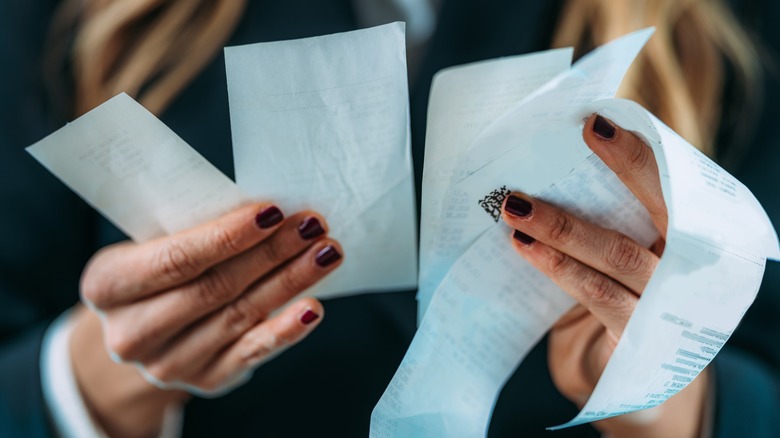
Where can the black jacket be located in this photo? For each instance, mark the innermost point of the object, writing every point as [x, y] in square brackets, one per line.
[334, 378]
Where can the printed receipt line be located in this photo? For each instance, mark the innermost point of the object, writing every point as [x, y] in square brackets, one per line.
[479, 324]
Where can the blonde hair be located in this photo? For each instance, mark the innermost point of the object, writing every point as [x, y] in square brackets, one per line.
[151, 49]
[681, 73]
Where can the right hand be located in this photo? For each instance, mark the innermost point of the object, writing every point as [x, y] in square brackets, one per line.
[193, 310]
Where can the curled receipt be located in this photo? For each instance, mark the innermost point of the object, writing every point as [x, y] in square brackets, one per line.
[488, 307]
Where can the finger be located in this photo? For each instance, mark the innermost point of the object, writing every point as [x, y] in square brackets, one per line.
[127, 272]
[280, 287]
[260, 344]
[633, 162]
[607, 251]
[609, 301]
[223, 327]
[140, 329]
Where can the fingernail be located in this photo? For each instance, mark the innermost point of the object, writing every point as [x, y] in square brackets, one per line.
[327, 256]
[269, 217]
[309, 317]
[523, 238]
[603, 128]
[517, 206]
[310, 228]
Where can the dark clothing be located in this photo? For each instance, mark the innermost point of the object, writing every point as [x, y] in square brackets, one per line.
[328, 384]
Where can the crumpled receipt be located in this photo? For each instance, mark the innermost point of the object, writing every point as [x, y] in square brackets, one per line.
[317, 123]
[483, 308]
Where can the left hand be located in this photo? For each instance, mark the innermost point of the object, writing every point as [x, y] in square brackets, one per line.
[606, 272]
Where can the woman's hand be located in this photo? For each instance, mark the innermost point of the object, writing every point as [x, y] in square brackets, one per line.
[606, 272]
[195, 310]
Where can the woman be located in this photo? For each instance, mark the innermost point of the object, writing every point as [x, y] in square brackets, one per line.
[192, 307]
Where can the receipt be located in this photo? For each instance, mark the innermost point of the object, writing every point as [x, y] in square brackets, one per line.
[717, 243]
[490, 307]
[138, 173]
[323, 126]
[596, 76]
[323, 123]
[463, 101]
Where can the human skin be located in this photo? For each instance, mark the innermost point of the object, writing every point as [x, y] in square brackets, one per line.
[606, 273]
[157, 309]
[195, 311]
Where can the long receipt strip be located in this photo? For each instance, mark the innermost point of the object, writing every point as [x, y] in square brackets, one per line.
[469, 98]
[313, 128]
[487, 307]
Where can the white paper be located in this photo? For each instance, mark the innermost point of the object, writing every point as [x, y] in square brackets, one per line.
[323, 123]
[324, 126]
[490, 306]
[717, 243]
[463, 101]
[137, 172]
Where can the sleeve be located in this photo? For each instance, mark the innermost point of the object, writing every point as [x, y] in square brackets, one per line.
[69, 414]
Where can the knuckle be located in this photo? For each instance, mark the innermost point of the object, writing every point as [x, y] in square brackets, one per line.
[214, 288]
[292, 282]
[209, 384]
[599, 290]
[259, 353]
[122, 344]
[224, 241]
[163, 371]
[561, 228]
[625, 255]
[274, 252]
[284, 339]
[174, 262]
[638, 157]
[558, 263]
[239, 316]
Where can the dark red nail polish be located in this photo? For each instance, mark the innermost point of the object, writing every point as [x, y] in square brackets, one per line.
[327, 256]
[309, 317]
[517, 206]
[310, 228]
[603, 128]
[269, 217]
[523, 238]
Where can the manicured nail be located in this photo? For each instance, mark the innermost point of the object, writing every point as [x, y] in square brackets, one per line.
[327, 256]
[269, 217]
[309, 317]
[523, 238]
[603, 128]
[310, 228]
[517, 206]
